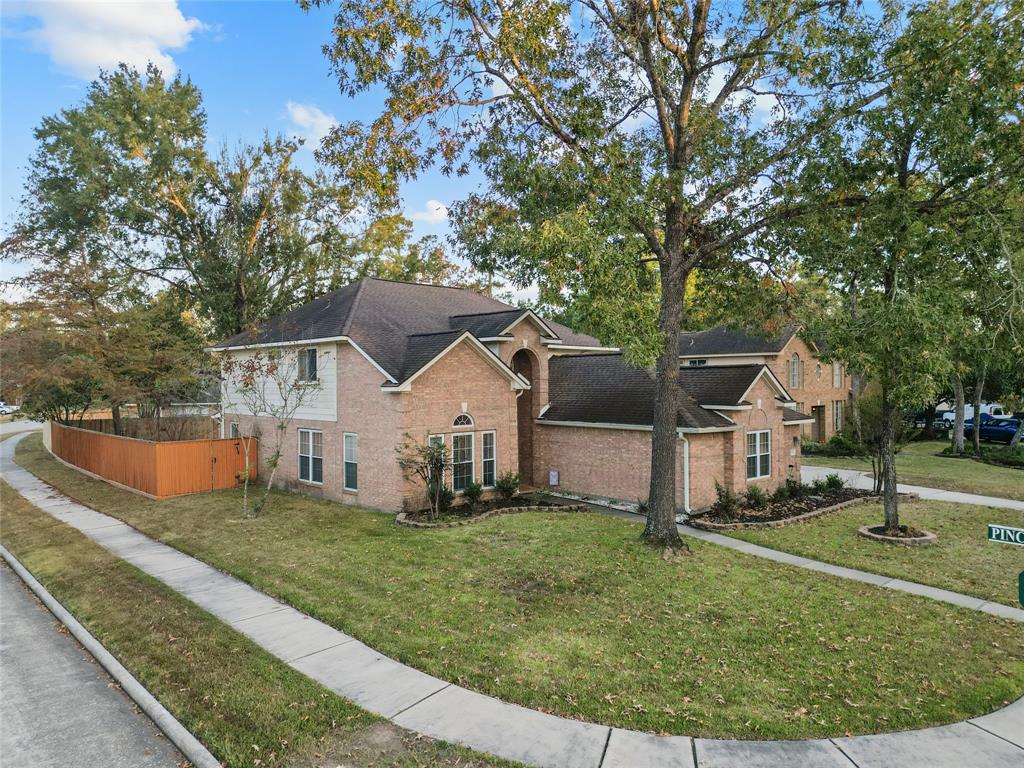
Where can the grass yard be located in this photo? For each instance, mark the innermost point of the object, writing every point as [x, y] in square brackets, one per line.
[917, 464]
[568, 613]
[962, 560]
[247, 707]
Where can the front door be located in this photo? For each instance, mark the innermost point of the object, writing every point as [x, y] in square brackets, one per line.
[818, 429]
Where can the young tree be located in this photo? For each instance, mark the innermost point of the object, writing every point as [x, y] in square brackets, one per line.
[924, 164]
[430, 464]
[265, 385]
[625, 143]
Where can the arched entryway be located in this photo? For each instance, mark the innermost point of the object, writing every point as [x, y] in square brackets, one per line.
[524, 363]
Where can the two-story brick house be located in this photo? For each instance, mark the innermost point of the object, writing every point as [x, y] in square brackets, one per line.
[506, 390]
[819, 388]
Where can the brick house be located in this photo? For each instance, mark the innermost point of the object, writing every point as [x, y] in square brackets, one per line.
[506, 390]
[820, 389]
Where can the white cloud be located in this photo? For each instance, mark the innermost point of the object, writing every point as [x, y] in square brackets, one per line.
[433, 212]
[85, 36]
[310, 123]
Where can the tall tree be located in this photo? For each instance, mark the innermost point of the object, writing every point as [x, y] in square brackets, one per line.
[923, 165]
[622, 141]
[244, 235]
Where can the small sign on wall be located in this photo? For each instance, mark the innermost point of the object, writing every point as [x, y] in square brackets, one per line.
[553, 477]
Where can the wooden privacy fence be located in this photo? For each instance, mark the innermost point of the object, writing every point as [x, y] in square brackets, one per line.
[160, 470]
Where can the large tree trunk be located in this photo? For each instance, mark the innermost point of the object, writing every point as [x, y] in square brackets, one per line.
[661, 516]
[115, 417]
[889, 496]
[979, 387]
[958, 415]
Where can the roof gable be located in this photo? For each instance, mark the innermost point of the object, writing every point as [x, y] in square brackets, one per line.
[427, 349]
[382, 317]
[724, 341]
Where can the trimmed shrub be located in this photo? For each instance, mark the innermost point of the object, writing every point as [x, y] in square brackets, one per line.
[726, 502]
[508, 484]
[756, 497]
[820, 484]
[642, 507]
[795, 487]
[834, 482]
[781, 493]
[444, 499]
[473, 493]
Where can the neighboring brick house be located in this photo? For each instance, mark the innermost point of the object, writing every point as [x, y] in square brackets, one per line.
[507, 391]
[819, 388]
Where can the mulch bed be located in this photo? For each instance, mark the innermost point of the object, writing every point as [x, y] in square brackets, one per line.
[778, 514]
[461, 515]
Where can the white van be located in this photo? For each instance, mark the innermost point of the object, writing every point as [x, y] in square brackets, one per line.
[994, 410]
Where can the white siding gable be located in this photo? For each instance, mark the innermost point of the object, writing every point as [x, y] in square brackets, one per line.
[321, 406]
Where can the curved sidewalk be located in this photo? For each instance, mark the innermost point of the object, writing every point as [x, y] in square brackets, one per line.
[857, 479]
[445, 711]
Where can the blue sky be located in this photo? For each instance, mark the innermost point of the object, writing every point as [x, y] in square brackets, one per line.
[258, 64]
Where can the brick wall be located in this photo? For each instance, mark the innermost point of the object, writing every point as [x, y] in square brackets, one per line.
[813, 389]
[616, 462]
[461, 378]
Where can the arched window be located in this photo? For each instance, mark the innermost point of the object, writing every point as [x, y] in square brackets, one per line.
[463, 420]
[794, 371]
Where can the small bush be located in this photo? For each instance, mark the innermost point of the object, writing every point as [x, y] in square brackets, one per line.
[795, 488]
[842, 445]
[781, 493]
[756, 497]
[472, 493]
[508, 484]
[726, 502]
[820, 484]
[834, 482]
[642, 507]
[444, 500]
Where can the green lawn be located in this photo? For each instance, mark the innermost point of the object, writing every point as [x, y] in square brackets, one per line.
[247, 707]
[917, 464]
[568, 613]
[962, 560]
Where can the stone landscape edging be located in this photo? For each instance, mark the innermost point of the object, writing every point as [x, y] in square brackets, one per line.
[402, 518]
[705, 525]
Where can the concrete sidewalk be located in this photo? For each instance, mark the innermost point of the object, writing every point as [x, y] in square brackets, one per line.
[57, 705]
[855, 479]
[446, 711]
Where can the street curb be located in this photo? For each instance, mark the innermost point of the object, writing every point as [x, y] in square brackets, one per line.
[178, 734]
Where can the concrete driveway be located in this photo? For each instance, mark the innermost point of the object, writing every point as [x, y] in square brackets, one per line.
[58, 707]
[20, 425]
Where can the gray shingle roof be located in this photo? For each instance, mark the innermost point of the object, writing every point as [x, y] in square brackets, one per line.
[718, 384]
[792, 414]
[729, 341]
[382, 316]
[602, 388]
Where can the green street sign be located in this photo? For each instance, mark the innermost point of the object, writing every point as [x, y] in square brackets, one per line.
[1004, 534]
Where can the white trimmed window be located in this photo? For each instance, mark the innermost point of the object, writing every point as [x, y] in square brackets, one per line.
[794, 371]
[235, 431]
[433, 440]
[462, 460]
[837, 375]
[307, 364]
[463, 420]
[311, 456]
[837, 414]
[759, 454]
[351, 459]
[489, 456]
